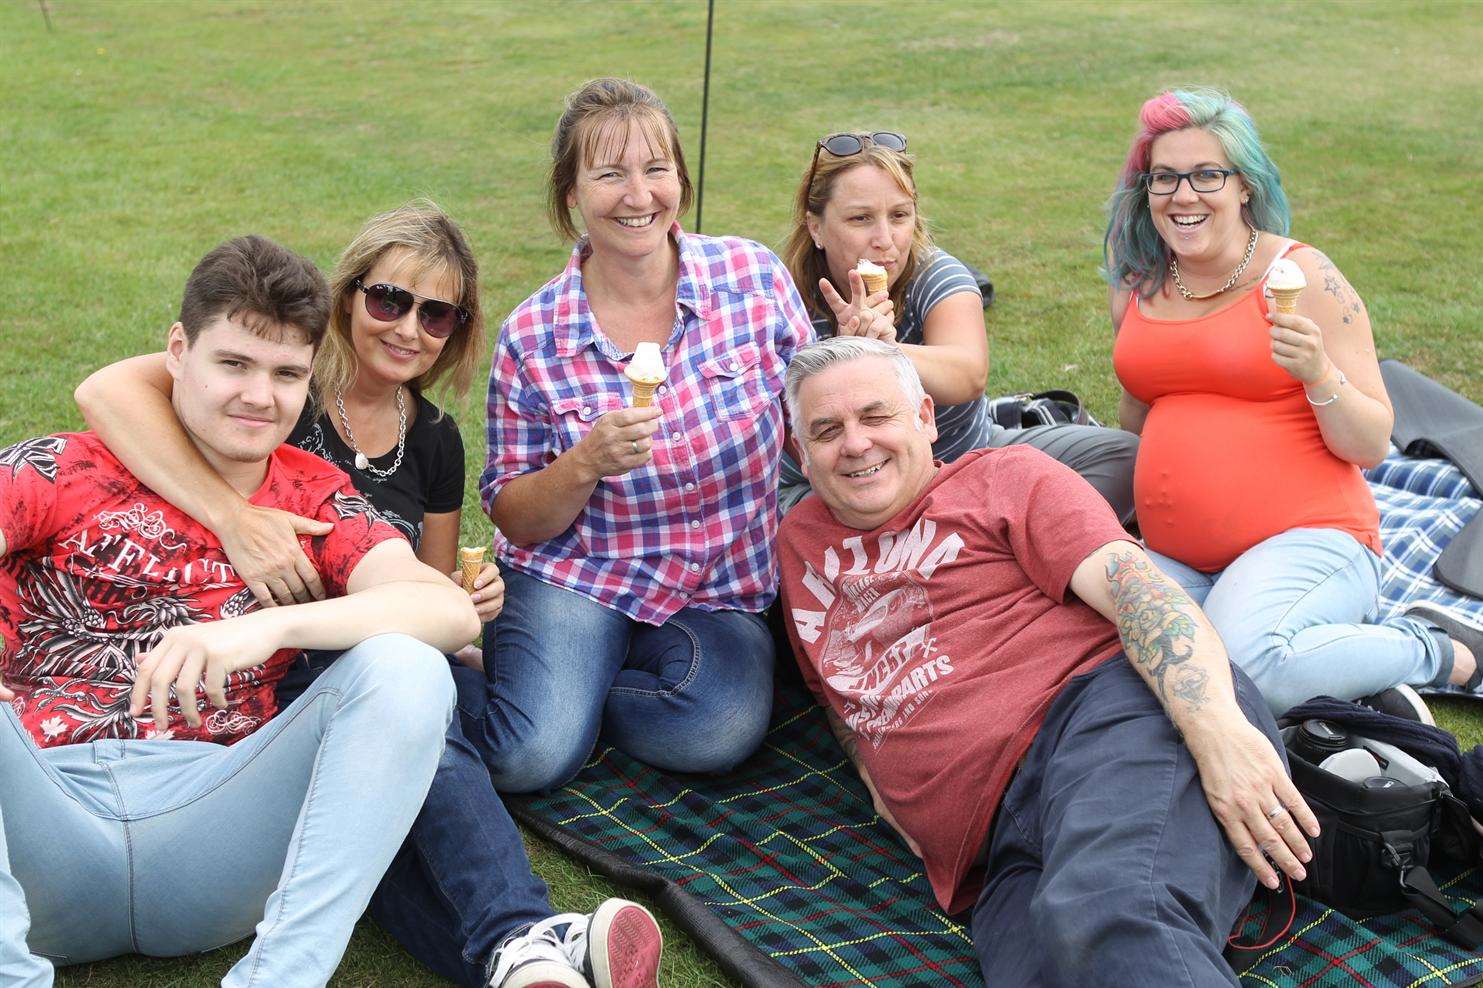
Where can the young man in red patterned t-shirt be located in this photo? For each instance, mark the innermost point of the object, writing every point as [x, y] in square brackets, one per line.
[991, 647]
[129, 642]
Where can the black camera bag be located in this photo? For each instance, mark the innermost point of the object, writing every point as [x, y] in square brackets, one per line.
[1024, 411]
[1372, 853]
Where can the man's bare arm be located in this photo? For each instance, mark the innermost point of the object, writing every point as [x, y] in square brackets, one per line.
[390, 591]
[1172, 645]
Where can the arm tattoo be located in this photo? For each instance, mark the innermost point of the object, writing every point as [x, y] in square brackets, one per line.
[1155, 620]
[1338, 286]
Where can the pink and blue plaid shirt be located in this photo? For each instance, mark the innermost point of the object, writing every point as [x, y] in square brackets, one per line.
[694, 527]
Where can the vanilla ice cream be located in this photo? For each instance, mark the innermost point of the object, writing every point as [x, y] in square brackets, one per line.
[1286, 282]
[645, 371]
[873, 275]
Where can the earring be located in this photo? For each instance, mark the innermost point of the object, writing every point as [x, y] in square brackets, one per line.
[818, 245]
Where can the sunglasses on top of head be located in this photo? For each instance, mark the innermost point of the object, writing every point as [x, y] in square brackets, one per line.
[388, 303]
[849, 145]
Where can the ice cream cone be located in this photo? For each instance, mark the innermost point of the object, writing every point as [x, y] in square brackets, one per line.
[1286, 299]
[470, 561]
[874, 283]
[643, 393]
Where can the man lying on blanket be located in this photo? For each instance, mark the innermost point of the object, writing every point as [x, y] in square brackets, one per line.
[983, 635]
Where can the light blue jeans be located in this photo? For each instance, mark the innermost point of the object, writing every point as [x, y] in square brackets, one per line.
[691, 695]
[176, 847]
[1297, 613]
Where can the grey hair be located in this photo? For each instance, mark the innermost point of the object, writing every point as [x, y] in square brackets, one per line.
[816, 357]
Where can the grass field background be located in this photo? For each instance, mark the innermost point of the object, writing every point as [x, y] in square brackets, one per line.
[136, 135]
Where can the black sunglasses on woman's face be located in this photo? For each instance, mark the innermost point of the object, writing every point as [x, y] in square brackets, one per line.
[388, 303]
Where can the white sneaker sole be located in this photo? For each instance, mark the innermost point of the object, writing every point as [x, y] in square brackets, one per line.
[1423, 712]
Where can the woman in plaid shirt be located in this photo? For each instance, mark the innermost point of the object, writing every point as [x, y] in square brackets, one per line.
[636, 542]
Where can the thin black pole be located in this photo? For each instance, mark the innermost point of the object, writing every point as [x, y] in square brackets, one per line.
[705, 106]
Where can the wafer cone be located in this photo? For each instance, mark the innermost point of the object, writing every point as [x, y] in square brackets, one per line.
[643, 393]
[470, 561]
[1286, 299]
[874, 283]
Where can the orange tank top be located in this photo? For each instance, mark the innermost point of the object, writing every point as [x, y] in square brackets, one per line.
[1231, 453]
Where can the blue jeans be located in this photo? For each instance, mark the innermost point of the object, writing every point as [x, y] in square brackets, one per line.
[462, 882]
[176, 847]
[1105, 865]
[1296, 612]
[691, 695]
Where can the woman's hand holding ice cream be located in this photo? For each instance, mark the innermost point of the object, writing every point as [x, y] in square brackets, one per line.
[486, 590]
[619, 442]
[866, 313]
[1297, 342]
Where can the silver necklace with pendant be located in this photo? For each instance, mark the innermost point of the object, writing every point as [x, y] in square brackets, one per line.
[363, 462]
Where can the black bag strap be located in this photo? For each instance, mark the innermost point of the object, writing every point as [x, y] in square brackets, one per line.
[1281, 908]
[1464, 929]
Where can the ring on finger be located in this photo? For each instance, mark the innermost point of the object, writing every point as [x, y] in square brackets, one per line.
[635, 444]
[1275, 811]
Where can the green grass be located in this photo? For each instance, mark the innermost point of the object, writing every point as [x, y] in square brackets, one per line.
[138, 135]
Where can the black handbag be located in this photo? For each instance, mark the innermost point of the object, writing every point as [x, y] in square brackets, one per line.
[1024, 411]
[1372, 853]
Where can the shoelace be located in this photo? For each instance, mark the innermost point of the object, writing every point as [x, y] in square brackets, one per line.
[542, 943]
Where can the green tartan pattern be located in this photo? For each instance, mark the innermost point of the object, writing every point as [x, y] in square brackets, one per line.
[1326, 948]
[790, 854]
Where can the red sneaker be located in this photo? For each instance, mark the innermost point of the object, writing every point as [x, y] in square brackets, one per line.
[620, 947]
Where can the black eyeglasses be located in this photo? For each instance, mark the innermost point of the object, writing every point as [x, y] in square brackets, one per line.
[388, 303]
[847, 145]
[1201, 180]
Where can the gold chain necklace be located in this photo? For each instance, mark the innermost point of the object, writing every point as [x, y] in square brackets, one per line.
[1190, 296]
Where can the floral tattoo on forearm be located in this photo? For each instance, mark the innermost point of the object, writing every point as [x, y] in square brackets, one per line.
[1156, 621]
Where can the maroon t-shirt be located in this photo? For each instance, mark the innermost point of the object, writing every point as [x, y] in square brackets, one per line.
[97, 566]
[941, 637]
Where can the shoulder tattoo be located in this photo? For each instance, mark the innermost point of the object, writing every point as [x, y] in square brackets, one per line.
[1335, 284]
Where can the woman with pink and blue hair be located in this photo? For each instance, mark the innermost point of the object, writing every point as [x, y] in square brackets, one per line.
[1255, 423]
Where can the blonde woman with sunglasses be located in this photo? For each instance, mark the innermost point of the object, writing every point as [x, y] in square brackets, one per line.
[858, 202]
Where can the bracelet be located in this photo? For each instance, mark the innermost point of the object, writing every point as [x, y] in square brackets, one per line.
[1338, 391]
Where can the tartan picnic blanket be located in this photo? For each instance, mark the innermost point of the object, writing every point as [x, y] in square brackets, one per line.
[1423, 504]
[784, 873]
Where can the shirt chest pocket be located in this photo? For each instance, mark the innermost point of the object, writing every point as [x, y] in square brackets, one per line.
[573, 417]
[735, 384]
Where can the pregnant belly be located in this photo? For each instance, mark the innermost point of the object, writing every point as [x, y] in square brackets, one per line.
[1215, 476]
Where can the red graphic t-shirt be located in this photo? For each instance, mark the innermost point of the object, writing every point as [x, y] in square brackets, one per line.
[98, 566]
[941, 637]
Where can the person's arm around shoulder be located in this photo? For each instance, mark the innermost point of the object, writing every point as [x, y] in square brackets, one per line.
[388, 591]
[1329, 347]
[1131, 412]
[1172, 645]
[128, 405]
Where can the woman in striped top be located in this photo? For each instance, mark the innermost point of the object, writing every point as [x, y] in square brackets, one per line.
[858, 202]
